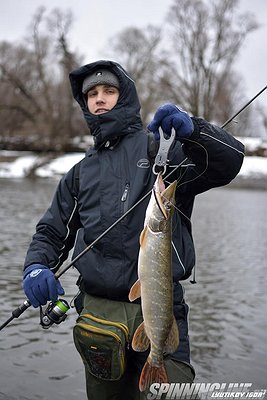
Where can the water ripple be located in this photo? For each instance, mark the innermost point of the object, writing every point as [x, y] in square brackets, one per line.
[227, 306]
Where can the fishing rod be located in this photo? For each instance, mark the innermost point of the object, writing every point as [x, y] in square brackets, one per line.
[55, 313]
[244, 107]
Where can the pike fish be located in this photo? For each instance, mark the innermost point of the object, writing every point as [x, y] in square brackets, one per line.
[159, 328]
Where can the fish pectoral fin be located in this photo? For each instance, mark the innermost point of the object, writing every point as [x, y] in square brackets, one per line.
[140, 340]
[135, 291]
[142, 236]
[152, 374]
[172, 341]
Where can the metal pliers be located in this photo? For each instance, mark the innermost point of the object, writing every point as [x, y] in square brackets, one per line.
[161, 159]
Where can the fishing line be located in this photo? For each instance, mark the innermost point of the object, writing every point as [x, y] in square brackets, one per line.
[178, 256]
[180, 212]
[183, 183]
[156, 199]
[205, 169]
[90, 246]
[193, 281]
[18, 311]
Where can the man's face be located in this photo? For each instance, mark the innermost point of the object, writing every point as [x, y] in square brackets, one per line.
[102, 98]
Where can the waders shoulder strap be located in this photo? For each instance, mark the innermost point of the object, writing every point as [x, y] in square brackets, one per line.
[76, 179]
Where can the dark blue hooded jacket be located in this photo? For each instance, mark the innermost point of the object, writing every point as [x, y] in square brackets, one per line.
[111, 178]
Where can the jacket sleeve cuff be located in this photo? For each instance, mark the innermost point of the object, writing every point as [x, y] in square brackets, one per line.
[196, 131]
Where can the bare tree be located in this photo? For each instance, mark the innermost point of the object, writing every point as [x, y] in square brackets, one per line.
[53, 64]
[36, 98]
[262, 114]
[207, 38]
[192, 64]
[140, 52]
[17, 100]
[59, 24]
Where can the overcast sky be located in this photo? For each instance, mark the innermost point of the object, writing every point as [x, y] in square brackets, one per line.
[97, 21]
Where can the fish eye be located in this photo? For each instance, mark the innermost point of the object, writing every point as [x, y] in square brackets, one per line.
[168, 205]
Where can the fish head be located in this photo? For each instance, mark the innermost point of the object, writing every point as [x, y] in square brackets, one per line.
[165, 196]
[161, 205]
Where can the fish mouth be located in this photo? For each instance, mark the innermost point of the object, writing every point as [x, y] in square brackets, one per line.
[164, 195]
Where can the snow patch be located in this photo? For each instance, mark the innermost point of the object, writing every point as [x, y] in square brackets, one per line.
[17, 168]
[59, 166]
[254, 166]
[17, 164]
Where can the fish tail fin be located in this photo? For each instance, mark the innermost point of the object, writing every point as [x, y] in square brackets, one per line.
[172, 341]
[152, 374]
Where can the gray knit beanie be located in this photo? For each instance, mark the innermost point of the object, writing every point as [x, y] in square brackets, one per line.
[100, 77]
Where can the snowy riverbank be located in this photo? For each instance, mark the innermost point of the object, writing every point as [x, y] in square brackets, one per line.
[14, 165]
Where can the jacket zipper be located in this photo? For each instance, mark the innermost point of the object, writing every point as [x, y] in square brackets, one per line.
[125, 197]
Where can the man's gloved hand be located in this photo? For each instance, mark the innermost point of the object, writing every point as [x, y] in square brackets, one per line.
[169, 116]
[40, 285]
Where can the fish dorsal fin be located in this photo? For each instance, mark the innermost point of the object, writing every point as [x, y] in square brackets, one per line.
[135, 291]
[140, 340]
[172, 341]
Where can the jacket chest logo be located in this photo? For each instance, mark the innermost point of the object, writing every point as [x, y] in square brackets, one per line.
[143, 163]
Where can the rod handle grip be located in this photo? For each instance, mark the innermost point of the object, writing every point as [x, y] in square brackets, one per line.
[18, 311]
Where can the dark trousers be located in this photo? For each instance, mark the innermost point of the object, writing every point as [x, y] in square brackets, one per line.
[128, 386]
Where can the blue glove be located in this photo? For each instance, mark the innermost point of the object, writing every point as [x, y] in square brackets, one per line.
[169, 116]
[40, 285]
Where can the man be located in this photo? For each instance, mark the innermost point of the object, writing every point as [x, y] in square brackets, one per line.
[112, 177]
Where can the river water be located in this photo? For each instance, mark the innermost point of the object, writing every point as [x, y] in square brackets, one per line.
[228, 318]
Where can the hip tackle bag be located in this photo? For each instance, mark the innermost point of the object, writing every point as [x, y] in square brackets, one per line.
[102, 333]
